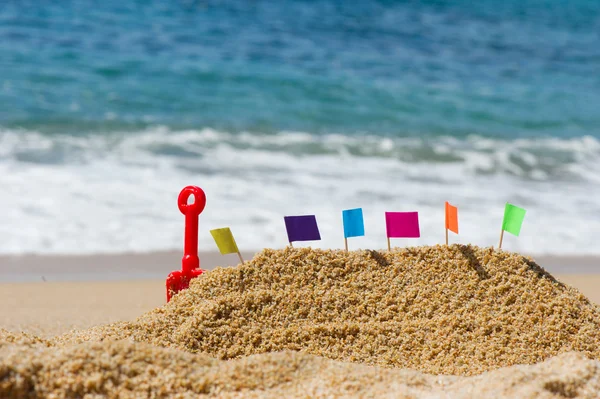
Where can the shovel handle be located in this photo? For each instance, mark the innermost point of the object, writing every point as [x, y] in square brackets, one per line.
[190, 259]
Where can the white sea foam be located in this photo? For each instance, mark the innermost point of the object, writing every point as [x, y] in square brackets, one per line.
[117, 192]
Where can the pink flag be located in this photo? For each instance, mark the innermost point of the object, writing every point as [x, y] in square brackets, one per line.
[402, 224]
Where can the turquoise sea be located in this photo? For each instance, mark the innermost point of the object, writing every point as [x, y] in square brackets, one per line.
[108, 109]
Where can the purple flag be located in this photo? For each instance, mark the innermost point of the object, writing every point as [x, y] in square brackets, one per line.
[302, 228]
[402, 224]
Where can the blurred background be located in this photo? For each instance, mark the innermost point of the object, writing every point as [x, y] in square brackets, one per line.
[108, 109]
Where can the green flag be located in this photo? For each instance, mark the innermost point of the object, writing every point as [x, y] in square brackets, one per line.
[513, 219]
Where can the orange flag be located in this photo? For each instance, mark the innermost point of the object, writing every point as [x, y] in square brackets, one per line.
[451, 219]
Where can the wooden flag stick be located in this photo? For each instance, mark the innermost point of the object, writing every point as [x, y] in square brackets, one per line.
[501, 238]
[446, 220]
[389, 246]
[346, 243]
[291, 245]
[240, 256]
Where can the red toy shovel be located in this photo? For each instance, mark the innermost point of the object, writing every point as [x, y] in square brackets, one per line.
[190, 263]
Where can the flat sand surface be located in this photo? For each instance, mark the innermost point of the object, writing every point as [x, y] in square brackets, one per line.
[52, 308]
[112, 267]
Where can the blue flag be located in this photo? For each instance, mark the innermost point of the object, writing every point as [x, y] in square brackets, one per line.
[354, 225]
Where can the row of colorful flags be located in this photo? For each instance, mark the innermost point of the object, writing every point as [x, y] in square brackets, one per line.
[397, 224]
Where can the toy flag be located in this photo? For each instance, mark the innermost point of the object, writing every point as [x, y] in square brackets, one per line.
[402, 225]
[451, 219]
[302, 228]
[225, 241]
[354, 225]
[513, 220]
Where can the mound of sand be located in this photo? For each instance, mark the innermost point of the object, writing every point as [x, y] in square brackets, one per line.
[20, 338]
[137, 370]
[458, 310]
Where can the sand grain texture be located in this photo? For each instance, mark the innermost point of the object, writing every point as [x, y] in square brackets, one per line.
[443, 310]
[137, 370]
[458, 321]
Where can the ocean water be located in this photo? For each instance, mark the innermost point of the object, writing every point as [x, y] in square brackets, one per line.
[108, 109]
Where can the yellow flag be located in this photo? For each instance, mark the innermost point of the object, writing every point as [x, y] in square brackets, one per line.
[225, 241]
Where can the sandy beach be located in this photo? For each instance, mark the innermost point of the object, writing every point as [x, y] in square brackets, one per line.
[414, 186]
[49, 295]
[54, 295]
[157, 265]
[52, 308]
